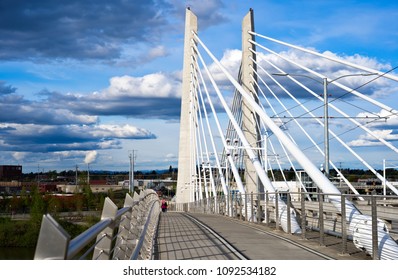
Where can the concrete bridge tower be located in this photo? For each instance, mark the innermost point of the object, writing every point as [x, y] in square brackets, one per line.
[250, 119]
[185, 159]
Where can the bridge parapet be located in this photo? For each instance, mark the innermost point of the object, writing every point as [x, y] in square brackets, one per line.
[125, 233]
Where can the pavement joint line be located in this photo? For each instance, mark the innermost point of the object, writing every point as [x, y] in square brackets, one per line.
[219, 237]
[282, 238]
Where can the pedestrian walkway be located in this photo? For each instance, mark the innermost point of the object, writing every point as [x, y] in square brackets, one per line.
[179, 238]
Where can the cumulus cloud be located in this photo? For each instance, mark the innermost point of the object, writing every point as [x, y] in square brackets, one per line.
[14, 108]
[78, 29]
[19, 155]
[91, 156]
[384, 124]
[382, 120]
[43, 138]
[6, 89]
[368, 140]
[153, 96]
[209, 12]
[151, 85]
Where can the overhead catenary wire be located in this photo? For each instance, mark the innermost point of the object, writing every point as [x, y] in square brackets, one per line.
[388, 144]
[392, 77]
[332, 133]
[299, 125]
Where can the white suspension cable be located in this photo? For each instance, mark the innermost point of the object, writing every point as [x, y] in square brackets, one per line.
[230, 159]
[295, 228]
[213, 185]
[350, 90]
[310, 168]
[202, 136]
[337, 109]
[296, 121]
[256, 163]
[199, 151]
[366, 69]
[222, 178]
[283, 148]
[330, 131]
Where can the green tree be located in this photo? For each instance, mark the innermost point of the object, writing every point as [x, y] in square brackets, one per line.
[37, 208]
[54, 205]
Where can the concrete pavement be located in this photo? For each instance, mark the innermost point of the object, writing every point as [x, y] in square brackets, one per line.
[179, 238]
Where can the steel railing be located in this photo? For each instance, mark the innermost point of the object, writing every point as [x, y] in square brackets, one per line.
[316, 214]
[125, 233]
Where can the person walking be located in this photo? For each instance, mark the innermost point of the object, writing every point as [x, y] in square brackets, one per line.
[164, 205]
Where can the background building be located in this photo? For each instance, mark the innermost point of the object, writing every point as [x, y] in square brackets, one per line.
[10, 172]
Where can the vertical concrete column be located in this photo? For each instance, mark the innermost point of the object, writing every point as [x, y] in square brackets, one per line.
[184, 180]
[249, 118]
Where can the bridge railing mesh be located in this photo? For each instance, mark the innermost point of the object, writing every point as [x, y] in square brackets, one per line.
[316, 213]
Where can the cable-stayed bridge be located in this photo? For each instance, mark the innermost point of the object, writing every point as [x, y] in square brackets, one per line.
[263, 140]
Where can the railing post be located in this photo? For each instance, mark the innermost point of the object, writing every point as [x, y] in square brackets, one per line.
[259, 212]
[252, 207]
[321, 224]
[246, 219]
[104, 239]
[375, 243]
[343, 226]
[276, 211]
[123, 241]
[53, 240]
[227, 212]
[266, 208]
[240, 207]
[235, 206]
[289, 222]
[303, 220]
[231, 205]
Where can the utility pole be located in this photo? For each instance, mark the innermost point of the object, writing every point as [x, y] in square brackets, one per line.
[131, 172]
[88, 174]
[38, 176]
[77, 188]
[326, 125]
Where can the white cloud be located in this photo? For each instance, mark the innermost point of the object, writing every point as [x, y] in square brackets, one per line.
[158, 85]
[369, 140]
[19, 155]
[387, 119]
[363, 143]
[156, 52]
[231, 61]
[91, 156]
[120, 131]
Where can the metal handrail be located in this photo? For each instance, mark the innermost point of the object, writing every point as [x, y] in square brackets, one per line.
[55, 243]
[82, 240]
[369, 230]
[137, 250]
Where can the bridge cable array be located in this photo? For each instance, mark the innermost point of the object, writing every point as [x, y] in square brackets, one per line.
[220, 169]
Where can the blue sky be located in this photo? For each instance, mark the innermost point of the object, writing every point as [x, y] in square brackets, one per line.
[89, 81]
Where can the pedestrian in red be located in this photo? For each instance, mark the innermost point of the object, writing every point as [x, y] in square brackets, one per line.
[164, 205]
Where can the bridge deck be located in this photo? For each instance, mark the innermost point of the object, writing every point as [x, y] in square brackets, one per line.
[180, 238]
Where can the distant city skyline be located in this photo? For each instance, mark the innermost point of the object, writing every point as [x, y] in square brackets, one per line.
[87, 82]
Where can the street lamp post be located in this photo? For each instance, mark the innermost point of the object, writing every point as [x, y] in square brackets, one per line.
[325, 84]
[384, 177]
[131, 171]
[326, 125]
